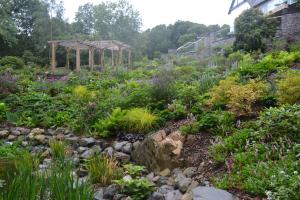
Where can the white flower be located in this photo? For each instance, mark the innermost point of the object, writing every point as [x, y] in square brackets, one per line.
[282, 172]
[295, 172]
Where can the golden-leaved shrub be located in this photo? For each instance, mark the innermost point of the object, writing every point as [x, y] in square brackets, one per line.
[219, 93]
[289, 88]
[243, 98]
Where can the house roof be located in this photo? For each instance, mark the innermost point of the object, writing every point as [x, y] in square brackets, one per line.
[254, 3]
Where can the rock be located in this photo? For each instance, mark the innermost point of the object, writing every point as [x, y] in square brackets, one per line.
[72, 140]
[176, 172]
[157, 196]
[82, 172]
[127, 148]
[193, 185]
[187, 196]
[122, 157]
[40, 138]
[119, 145]
[99, 194]
[109, 151]
[23, 131]
[211, 193]
[51, 132]
[110, 191]
[162, 181]
[87, 142]
[150, 176]
[15, 132]
[37, 131]
[12, 137]
[190, 172]
[136, 144]
[127, 178]
[90, 152]
[165, 172]
[24, 143]
[4, 133]
[158, 151]
[182, 182]
[171, 181]
[165, 189]
[82, 149]
[173, 195]
[59, 131]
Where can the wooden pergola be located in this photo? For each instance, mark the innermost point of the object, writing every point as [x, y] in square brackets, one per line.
[116, 48]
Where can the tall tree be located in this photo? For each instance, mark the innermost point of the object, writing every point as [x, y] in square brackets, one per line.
[252, 28]
[117, 20]
[85, 19]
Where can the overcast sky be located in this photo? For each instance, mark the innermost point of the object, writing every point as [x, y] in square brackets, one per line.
[155, 12]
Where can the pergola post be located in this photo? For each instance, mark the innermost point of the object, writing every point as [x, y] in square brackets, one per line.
[91, 58]
[68, 58]
[77, 59]
[121, 57]
[129, 59]
[103, 58]
[112, 58]
[53, 54]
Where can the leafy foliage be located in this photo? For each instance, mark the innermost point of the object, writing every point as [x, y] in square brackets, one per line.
[136, 120]
[244, 98]
[137, 189]
[12, 62]
[251, 29]
[289, 89]
[264, 158]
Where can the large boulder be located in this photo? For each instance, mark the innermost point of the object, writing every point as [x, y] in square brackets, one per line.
[211, 193]
[159, 151]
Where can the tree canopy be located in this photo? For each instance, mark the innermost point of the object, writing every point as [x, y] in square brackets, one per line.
[252, 28]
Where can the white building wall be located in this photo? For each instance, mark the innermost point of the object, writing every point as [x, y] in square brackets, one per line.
[270, 5]
[236, 12]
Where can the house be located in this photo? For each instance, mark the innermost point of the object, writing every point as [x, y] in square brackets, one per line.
[286, 11]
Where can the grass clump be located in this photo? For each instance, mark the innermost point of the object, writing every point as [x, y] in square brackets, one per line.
[58, 150]
[58, 182]
[136, 120]
[103, 169]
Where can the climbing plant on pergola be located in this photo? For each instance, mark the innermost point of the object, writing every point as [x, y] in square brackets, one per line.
[116, 48]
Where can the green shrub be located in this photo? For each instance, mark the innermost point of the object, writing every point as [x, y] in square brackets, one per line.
[269, 64]
[10, 150]
[264, 160]
[137, 189]
[219, 93]
[218, 122]
[139, 120]
[3, 111]
[289, 88]
[108, 126]
[102, 169]
[82, 93]
[134, 170]
[12, 62]
[136, 120]
[243, 99]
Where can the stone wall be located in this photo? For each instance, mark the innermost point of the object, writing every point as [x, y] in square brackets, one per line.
[290, 26]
